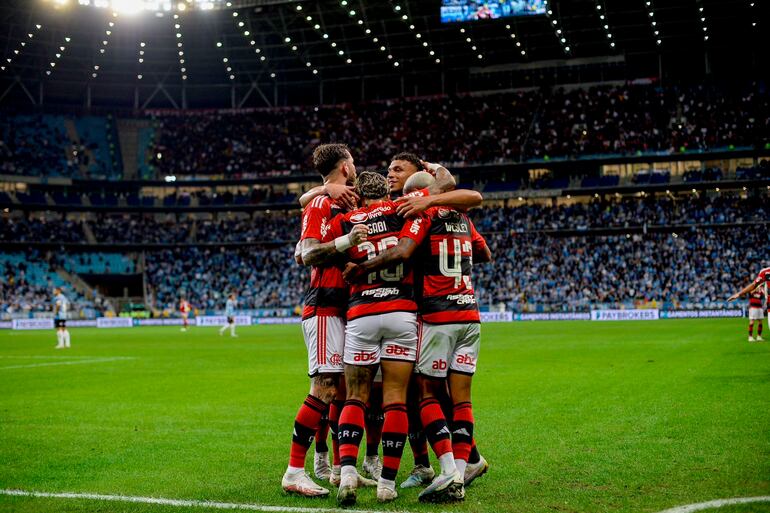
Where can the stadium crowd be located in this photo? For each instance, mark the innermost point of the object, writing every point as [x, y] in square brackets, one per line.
[261, 278]
[609, 212]
[469, 129]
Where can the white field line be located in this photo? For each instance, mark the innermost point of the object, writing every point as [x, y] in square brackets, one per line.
[73, 362]
[718, 503]
[184, 503]
[56, 357]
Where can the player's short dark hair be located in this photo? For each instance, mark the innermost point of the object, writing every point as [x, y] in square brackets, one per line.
[371, 185]
[327, 156]
[411, 158]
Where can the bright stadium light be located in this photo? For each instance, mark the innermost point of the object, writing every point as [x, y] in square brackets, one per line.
[127, 6]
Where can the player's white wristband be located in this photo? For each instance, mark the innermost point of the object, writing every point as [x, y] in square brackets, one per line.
[342, 243]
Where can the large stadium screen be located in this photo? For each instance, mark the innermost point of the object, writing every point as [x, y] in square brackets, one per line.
[470, 10]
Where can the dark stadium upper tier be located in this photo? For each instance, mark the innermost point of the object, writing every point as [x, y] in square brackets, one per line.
[461, 131]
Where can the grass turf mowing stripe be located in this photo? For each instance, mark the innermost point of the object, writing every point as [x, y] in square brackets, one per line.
[73, 362]
[718, 503]
[183, 503]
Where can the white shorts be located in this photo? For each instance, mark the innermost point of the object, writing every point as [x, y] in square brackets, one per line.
[390, 336]
[324, 338]
[756, 314]
[445, 347]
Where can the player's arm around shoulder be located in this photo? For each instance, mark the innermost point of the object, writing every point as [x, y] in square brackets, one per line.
[317, 253]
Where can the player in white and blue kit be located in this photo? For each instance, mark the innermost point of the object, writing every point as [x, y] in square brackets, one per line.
[61, 306]
[230, 314]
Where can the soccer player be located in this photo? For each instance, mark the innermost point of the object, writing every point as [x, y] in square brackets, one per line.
[381, 329]
[762, 280]
[61, 306]
[230, 314]
[323, 326]
[449, 335]
[756, 313]
[184, 309]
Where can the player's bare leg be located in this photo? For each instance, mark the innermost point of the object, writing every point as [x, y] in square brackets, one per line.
[448, 485]
[295, 479]
[395, 382]
[463, 426]
[358, 379]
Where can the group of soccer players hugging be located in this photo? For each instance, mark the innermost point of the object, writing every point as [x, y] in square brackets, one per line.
[391, 326]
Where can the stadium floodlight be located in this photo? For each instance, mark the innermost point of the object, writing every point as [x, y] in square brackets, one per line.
[127, 6]
[170, 178]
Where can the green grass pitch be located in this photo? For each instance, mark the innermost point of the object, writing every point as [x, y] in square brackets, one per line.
[572, 416]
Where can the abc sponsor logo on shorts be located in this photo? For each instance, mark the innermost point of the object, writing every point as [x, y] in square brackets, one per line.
[439, 365]
[465, 359]
[363, 356]
[397, 351]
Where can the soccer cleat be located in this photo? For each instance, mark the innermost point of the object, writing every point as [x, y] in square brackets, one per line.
[346, 495]
[334, 477]
[445, 488]
[759, 338]
[420, 475]
[321, 467]
[59, 347]
[301, 484]
[386, 493]
[373, 467]
[751, 339]
[475, 470]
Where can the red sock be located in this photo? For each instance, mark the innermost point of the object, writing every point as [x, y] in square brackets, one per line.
[436, 428]
[751, 329]
[351, 431]
[305, 425]
[759, 329]
[393, 439]
[462, 431]
[474, 457]
[335, 408]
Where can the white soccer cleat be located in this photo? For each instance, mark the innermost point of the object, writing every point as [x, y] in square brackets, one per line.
[59, 347]
[321, 467]
[475, 470]
[346, 495]
[420, 475]
[445, 488]
[759, 338]
[373, 467]
[234, 335]
[386, 493]
[751, 339]
[334, 477]
[301, 484]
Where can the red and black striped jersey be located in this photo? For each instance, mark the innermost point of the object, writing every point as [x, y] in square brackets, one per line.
[328, 292]
[387, 290]
[450, 239]
[757, 298]
[763, 276]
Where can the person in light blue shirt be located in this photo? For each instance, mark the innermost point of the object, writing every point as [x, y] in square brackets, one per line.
[230, 306]
[61, 306]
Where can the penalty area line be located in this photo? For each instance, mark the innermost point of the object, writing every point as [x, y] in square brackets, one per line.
[72, 362]
[183, 502]
[718, 503]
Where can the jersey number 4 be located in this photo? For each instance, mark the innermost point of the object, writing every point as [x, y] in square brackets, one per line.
[455, 270]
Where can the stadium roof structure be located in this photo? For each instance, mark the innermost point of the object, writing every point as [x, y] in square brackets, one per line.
[222, 54]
